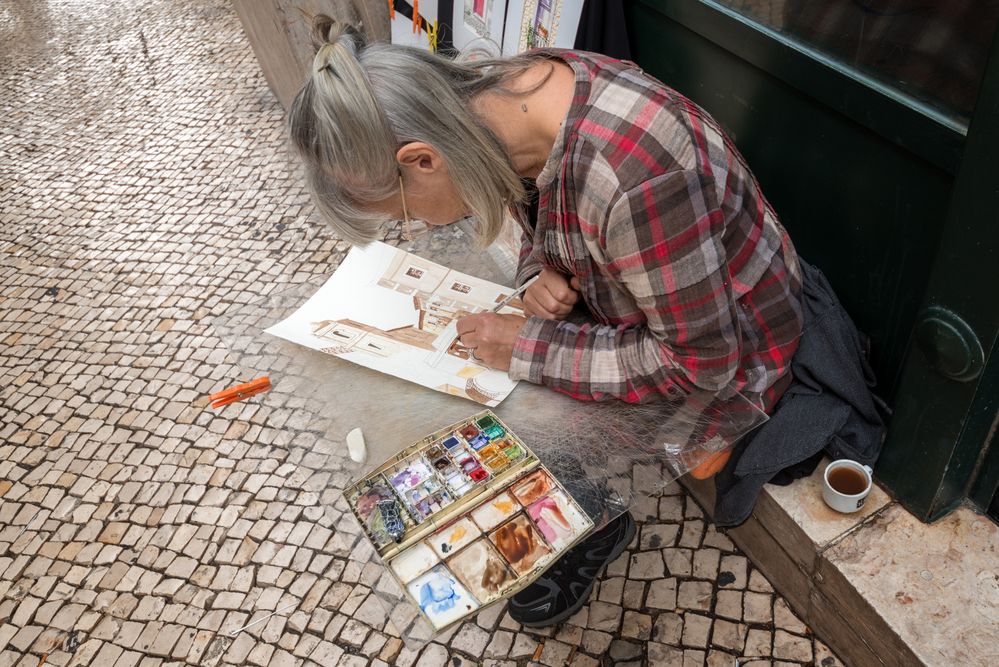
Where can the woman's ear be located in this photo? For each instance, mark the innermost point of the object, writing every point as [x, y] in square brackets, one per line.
[421, 156]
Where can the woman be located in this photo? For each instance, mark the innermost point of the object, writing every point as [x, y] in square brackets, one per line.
[645, 214]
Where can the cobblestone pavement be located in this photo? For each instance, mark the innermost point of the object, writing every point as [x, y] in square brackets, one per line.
[144, 189]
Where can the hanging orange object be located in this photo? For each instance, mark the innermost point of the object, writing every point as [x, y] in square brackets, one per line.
[391, 9]
[417, 28]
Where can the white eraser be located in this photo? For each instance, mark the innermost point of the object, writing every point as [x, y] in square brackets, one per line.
[356, 448]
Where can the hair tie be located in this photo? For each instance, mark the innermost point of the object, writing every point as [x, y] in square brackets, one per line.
[323, 56]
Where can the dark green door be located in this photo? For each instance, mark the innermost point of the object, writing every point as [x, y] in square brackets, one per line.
[870, 124]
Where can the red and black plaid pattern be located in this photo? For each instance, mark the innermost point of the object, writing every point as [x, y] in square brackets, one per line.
[690, 280]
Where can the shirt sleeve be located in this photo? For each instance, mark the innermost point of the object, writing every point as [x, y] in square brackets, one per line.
[662, 242]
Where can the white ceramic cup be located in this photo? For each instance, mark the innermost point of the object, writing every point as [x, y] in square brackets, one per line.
[842, 502]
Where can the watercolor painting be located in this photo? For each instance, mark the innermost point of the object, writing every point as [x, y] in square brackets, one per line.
[521, 545]
[477, 16]
[441, 597]
[389, 310]
[454, 537]
[559, 520]
[480, 567]
[541, 23]
[495, 511]
[413, 562]
[532, 487]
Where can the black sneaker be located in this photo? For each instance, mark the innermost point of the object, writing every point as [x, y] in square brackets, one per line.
[565, 586]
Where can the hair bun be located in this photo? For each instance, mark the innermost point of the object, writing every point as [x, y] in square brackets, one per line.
[328, 30]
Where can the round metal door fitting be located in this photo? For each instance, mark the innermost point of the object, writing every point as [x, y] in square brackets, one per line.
[950, 345]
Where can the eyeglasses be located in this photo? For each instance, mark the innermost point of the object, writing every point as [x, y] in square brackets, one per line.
[410, 228]
[407, 232]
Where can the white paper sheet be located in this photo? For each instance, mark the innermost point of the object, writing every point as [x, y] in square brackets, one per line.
[389, 310]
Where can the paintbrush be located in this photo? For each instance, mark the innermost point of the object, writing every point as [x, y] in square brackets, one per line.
[450, 334]
[517, 292]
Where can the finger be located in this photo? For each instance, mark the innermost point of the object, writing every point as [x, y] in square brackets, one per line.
[547, 300]
[471, 339]
[574, 283]
[561, 292]
[537, 309]
[556, 309]
[467, 323]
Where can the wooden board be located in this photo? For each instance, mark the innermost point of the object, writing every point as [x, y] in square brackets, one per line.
[279, 34]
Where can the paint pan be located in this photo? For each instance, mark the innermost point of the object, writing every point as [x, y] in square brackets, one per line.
[487, 422]
[413, 562]
[495, 511]
[478, 442]
[488, 452]
[427, 500]
[441, 596]
[512, 450]
[444, 466]
[454, 537]
[458, 484]
[434, 452]
[520, 543]
[532, 487]
[366, 498]
[559, 520]
[494, 432]
[412, 473]
[482, 570]
[496, 463]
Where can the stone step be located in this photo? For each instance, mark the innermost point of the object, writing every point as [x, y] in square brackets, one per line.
[878, 586]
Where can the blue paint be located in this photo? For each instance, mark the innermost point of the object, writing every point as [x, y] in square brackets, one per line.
[437, 595]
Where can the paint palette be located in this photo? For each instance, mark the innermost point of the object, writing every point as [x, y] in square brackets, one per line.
[466, 517]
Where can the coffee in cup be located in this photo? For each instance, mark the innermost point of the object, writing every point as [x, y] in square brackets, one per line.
[846, 485]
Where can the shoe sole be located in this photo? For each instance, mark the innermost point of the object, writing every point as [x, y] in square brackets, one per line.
[585, 597]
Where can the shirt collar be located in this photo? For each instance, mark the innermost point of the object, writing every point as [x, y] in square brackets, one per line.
[580, 98]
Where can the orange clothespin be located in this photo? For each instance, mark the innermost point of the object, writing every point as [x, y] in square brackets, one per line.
[391, 9]
[240, 392]
[417, 27]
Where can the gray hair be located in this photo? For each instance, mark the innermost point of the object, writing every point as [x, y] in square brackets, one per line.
[361, 103]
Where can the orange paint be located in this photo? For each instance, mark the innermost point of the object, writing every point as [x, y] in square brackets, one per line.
[504, 506]
[457, 534]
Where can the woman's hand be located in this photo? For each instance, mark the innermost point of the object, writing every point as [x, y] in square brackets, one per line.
[491, 337]
[551, 296]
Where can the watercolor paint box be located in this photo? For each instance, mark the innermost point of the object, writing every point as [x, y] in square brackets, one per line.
[466, 517]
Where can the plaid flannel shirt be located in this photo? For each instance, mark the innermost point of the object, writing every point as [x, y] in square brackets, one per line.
[690, 281]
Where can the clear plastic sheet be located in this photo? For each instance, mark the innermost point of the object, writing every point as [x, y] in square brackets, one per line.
[607, 455]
